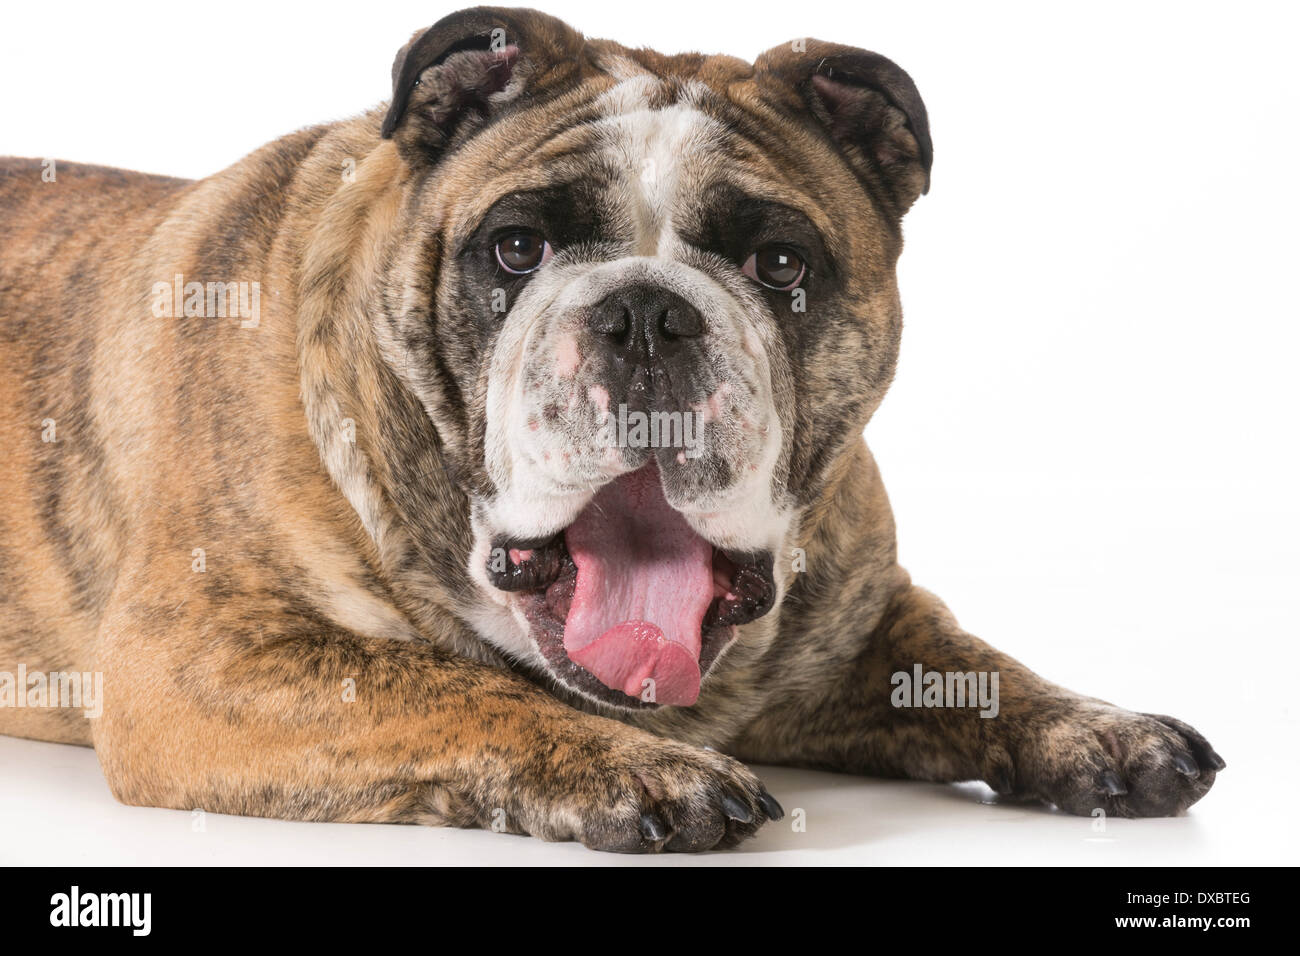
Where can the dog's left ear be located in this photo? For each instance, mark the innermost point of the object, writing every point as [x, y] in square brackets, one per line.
[868, 104]
[454, 75]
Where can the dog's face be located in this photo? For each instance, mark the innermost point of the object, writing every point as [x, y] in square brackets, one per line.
[646, 301]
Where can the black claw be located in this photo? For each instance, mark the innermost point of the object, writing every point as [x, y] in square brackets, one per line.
[1186, 765]
[770, 806]
[1112, 784]
[1205, 754]
[735, 810]
[652, 828]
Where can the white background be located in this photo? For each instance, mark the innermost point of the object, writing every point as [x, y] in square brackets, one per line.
[1090, 445]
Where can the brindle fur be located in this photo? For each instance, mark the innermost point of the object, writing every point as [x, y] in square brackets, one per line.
[225, 688]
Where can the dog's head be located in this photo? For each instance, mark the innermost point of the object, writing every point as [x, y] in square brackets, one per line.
[647, 300]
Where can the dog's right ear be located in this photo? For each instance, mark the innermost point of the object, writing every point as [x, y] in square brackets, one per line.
[451, 77]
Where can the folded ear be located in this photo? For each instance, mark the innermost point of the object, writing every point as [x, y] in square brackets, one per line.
[455, 74]
[868, 104]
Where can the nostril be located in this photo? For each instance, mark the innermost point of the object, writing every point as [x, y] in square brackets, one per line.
[681, 321]
[609, 318]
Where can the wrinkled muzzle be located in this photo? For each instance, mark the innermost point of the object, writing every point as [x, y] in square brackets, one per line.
[633, 451]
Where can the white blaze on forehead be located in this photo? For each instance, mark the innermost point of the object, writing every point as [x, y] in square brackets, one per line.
[660, 151]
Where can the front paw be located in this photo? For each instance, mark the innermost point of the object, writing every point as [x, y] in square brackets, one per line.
[635, 793]
[1091, 755]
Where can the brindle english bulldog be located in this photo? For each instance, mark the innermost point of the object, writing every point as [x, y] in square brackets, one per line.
[334, 464]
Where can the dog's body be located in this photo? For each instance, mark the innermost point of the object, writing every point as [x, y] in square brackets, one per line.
[315, 548]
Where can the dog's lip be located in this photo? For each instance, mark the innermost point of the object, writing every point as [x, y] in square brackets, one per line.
[526, 564]
[526, 543]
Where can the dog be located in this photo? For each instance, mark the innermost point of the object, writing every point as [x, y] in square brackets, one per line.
[495, 458]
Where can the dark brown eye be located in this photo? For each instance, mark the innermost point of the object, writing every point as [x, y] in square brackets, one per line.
[522, 252]
[777, 267]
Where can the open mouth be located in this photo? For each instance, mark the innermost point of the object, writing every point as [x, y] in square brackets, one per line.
[629, 604]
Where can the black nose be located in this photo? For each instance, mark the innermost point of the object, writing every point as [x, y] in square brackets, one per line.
[645, 318]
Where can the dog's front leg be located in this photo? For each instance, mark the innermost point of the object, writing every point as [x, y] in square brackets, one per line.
[1016, 731]
[293, 718]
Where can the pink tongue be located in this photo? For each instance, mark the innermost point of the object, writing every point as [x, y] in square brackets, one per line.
[645, 580]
